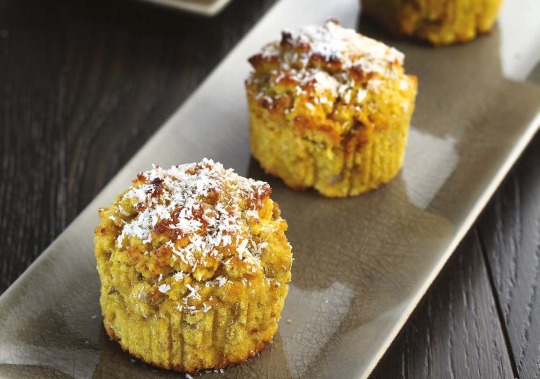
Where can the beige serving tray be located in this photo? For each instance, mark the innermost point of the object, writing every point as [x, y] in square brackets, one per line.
[361, 264]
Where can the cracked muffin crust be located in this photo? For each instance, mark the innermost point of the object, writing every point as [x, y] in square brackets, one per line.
[194, 267]
[329, 109]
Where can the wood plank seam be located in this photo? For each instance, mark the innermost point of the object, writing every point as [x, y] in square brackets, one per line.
[504, 329]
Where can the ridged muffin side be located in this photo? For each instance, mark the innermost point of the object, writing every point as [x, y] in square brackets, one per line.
[194, 266]
[441, 22]
[330, 109]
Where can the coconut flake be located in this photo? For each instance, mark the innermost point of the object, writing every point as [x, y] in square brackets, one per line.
[164, 288]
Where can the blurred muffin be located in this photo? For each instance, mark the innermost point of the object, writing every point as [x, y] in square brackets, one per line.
[329, 109]
[438, 22]
[194, 266]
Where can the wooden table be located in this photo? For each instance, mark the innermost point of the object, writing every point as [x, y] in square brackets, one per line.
[83, 84]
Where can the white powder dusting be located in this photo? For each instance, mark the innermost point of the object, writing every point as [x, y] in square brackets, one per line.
[203, 210]
[182, 204]
[193, 292]
[333, 42]
[342, 52]
[220, 281]
[164, 288]
[179, 276]
[361, 95]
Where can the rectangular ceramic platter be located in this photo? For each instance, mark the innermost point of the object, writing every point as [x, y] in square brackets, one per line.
[361, 264]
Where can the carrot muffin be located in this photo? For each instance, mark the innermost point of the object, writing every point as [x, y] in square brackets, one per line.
[438, 22]
[194, 266]
[329, 109]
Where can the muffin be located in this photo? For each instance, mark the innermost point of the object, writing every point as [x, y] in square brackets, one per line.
[329, 109]
[194, 266]
[438, 22]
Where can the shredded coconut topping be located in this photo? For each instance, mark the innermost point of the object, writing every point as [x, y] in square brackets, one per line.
[327, 59]
[187, 201]
[202, 210]
[164, 288]
[335, 43]
[220, 281]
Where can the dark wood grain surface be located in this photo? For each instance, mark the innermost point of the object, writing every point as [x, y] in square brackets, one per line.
[510, 238]
[84, 84]
[456, 332]
[487, 295]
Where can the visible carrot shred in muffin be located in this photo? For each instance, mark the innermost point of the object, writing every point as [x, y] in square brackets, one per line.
[194, 266]
[330, 109]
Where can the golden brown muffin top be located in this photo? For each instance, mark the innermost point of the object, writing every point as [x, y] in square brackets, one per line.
[325, 55]
[319, 73]
[201, 209]
[329, 47]
[192, 234]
